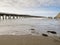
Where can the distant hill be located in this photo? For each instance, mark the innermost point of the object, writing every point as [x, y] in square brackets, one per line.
[58, 16]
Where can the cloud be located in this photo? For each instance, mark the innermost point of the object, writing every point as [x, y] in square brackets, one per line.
[29, 3]
[28, 6]
[18, 3]
[49, 3]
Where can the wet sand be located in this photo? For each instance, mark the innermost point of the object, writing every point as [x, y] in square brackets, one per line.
[26, 40]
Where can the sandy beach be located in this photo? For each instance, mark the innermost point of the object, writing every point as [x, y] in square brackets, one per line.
[26, 40]
[29, 22]
[28, 31]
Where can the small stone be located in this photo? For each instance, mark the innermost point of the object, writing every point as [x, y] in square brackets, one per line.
[45, 35]
[32, 29]
[53, 32]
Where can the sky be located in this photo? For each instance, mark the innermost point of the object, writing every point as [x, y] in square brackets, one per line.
[31, 7]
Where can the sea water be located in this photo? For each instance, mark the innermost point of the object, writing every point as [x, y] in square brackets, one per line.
[23, 26]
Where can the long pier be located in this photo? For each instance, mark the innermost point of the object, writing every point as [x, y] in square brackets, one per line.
[16, 16]
[11, 16]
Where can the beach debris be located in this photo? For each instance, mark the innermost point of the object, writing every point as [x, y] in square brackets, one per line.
[53, 32]
[32, 29]
[45, 35]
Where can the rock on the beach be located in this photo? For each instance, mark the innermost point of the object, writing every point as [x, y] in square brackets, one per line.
[45, 35]
[53, 32]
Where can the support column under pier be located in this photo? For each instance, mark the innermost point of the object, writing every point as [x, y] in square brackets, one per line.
[9, 17]
[4, 17]
[17, 17]
[13, 17]
[0, 17]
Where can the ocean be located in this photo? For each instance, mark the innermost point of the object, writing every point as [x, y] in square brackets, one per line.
[24, 26]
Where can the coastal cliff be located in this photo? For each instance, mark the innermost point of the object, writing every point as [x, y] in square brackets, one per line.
[58, 16]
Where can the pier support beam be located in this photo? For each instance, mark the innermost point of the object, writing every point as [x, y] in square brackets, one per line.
[13, 17]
